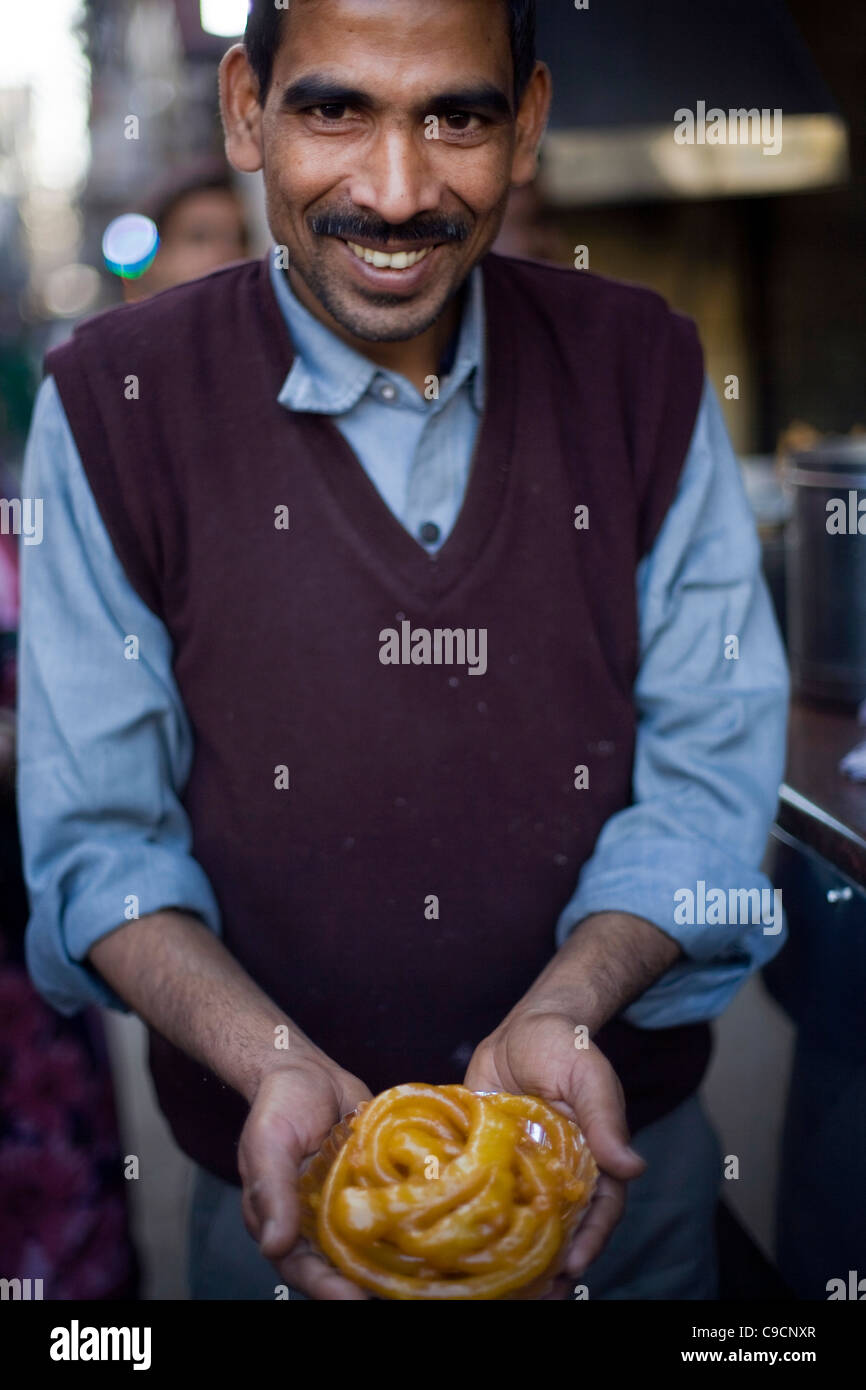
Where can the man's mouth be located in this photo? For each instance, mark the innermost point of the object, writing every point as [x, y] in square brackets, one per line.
[389, 260]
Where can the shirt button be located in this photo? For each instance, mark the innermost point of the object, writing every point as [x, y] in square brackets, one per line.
[429, 532]
[388, 392]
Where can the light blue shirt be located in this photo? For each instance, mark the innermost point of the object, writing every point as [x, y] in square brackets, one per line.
[417, 451]
[103, 760]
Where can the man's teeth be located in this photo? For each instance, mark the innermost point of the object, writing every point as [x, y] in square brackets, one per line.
[401, 260]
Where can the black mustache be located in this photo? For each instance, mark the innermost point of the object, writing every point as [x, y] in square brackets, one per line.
[349, 225]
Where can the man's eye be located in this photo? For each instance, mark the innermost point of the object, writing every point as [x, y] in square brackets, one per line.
[460, 121]
[331, 111]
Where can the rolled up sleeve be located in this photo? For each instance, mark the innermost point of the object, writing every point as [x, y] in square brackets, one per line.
[710, 743]
[104, 746]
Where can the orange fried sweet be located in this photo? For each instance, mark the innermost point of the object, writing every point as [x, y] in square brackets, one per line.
[437, 1192]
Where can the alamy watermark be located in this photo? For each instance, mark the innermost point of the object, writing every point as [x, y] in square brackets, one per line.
[718, 907]
[439, 646]
[846, 517]
[852, 1288]
[20, 1289]
[77, 1343]
[22, 516]
[738, 126]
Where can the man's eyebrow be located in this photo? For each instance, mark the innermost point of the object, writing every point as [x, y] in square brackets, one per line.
[316, 89]
[485, 96]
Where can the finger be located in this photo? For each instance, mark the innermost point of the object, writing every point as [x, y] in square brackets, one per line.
[561, 1290]
[605, 1211]
[597, 1101]
[274, 1201]
[269, 1167]
[255, 1211]
[481, 1074]
[250, 1216]
[306, 1270]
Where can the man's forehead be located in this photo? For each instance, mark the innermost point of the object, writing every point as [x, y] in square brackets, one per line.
[396, 39]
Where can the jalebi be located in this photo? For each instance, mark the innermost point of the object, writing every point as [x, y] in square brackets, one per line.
[443, 1193]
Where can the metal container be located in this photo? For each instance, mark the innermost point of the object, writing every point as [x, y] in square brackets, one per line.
[826, 570]
[771, 508]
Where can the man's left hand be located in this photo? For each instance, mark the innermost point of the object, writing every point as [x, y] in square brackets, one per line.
[534, 1053]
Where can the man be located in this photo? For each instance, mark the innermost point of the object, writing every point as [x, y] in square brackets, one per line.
[427, 561]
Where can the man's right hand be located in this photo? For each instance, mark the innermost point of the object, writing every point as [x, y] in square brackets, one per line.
[179, 977]
[291, 1115]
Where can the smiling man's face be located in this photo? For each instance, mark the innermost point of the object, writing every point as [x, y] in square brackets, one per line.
[389, 143]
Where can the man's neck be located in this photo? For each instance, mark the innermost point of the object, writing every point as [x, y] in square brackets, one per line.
[415, 358]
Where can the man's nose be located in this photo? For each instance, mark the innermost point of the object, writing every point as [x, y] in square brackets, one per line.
[394, 179]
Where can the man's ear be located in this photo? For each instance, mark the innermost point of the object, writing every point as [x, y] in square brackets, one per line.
[532, 120]
[241, 112]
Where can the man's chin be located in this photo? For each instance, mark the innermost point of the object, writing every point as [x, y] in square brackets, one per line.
[373, 315]
[386, 318]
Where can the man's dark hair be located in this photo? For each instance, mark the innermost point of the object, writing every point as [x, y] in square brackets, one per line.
[262, 38]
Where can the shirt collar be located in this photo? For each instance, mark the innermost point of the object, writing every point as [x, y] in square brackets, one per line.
[329, 377]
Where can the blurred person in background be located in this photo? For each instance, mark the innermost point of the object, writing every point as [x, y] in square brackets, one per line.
[201, 223]
[63, 1210]
[63, 1213]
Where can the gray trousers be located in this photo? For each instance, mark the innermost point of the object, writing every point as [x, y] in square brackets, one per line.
[664, 1247]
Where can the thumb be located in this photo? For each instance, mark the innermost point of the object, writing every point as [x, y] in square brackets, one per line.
[269, 1162]
[272, 1195]
[597, 1100]
[481, 1074]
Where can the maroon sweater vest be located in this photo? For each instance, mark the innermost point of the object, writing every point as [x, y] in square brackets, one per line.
[404, 781]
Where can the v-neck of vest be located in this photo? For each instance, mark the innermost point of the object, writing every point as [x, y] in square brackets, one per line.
[362, 512]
